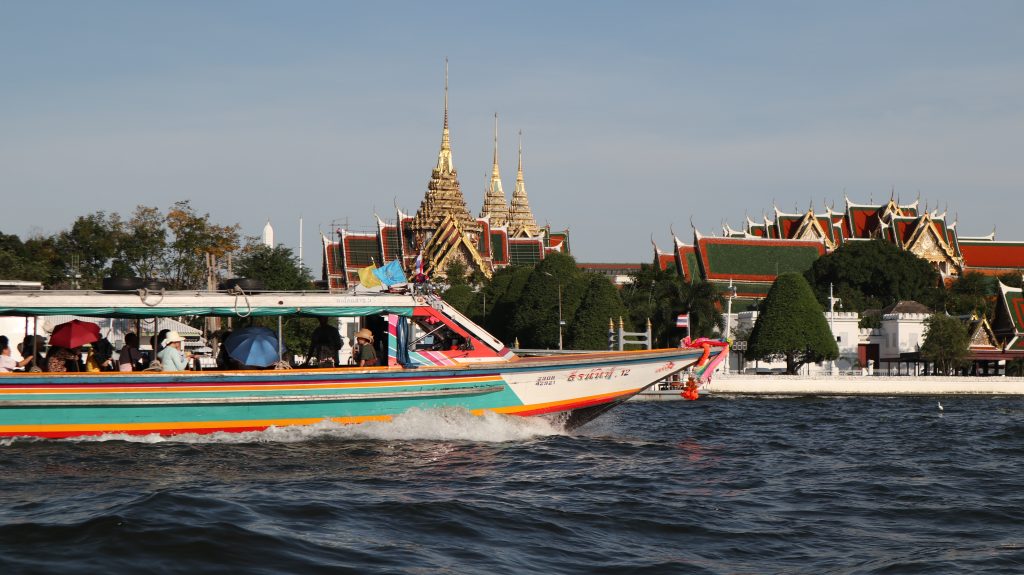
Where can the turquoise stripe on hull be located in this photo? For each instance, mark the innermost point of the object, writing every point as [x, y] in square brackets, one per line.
[110, 416]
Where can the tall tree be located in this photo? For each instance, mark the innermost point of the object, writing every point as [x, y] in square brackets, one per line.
[278, 269]
[499, 300]
[194, 237]
[945, 343]
[874, 274]
[659, 296]
[972, 293]
[554, 290]
[85, 250]
[142, 244]
[703, 302]
[792, 326]
[600, 303]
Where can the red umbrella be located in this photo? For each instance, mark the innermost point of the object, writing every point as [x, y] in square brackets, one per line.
[74, 333]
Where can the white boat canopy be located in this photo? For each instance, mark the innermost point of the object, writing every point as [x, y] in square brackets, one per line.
[199, 303]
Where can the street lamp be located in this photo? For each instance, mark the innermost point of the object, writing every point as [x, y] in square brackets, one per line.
[832, 301]
[730, 293]
[560, 322]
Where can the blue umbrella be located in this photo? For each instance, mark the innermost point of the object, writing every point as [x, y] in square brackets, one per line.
[253, 346]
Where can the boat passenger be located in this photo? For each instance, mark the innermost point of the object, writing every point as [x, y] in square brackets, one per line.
[363, 354]
[61, 359]
[100, 356]
[130, 357]
[25, 349]
[171, 357]
[8, 363]
[324, 345]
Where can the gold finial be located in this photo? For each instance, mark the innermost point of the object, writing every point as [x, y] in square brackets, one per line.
[519, 174]
[444, 157]
[494, 170]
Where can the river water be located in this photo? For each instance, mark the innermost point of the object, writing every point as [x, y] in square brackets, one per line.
[740, 485]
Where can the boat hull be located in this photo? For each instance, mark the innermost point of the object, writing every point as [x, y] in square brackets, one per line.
[575, 389]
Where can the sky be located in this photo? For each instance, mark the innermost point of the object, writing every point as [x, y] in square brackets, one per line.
[637, 118]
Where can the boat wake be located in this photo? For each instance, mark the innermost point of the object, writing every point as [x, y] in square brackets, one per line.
[447, 424]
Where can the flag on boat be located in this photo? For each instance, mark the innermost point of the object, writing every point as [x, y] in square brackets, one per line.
[391, 274]
[367, 277]
[418, 264]
[683, 320]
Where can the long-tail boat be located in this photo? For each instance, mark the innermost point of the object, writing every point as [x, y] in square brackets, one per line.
[479, 373]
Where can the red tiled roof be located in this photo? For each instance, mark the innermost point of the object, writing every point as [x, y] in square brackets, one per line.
[988, 254]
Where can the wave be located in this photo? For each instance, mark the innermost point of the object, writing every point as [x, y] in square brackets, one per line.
[445, 424]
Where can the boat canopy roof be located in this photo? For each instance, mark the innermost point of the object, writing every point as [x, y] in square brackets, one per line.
[146, 304]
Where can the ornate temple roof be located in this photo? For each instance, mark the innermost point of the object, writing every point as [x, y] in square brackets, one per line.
[444, 195]
[495, 207]
[521, 220]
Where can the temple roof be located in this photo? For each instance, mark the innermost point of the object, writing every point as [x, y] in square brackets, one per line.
[495, 206]
[991, 257]
[521, 220]
[444, 195]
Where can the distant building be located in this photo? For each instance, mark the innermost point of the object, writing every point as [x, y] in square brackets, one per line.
[444, 231]
[754, 256]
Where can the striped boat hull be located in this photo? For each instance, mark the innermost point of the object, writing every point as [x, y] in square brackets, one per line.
[576, 388]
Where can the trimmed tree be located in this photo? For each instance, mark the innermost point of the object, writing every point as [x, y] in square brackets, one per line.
[791, 326]
[945, 343]
[601, 302]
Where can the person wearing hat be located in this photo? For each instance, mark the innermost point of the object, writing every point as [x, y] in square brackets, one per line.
[171, 357]
[364, 354]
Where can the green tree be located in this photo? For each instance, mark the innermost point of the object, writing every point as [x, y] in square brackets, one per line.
[945, 343]
[791, 326]
[502, 296]
[85, 250]
[194, 237]
[278, 269]
[972, 293]
[554, 289]
[18, 260]
[601, 302]
[874, 274]
[659, 296]
[142, 243]
[704, 302]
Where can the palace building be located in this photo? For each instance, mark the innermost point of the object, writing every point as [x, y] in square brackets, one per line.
[750, 259]
[444, 231]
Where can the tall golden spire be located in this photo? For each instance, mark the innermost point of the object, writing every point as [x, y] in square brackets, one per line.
[444, 195]
[444, 157]
[521, 221]
[495, 205]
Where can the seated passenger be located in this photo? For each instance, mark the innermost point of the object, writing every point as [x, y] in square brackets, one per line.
[171, 357]
[130, 357]
[61, 359]
[7, 363]
[363, 353]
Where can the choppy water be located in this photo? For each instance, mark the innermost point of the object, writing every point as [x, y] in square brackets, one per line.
[746, 485]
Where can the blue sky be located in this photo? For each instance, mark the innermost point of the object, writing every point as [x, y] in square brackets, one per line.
[636, 116]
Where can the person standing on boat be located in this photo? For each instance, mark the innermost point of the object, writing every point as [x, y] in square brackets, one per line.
[364, 355]
[324, 344]
[171, 357]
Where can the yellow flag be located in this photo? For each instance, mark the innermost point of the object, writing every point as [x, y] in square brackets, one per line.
[367, 278]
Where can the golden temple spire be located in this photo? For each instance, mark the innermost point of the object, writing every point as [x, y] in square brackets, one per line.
[444, 157]
[494, 199]
[521, 220]
[444, 195]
